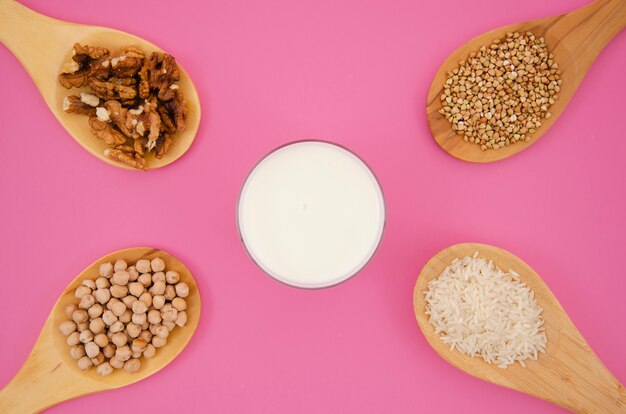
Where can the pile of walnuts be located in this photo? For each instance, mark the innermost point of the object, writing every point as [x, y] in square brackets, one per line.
[134, 105]
[125, 314]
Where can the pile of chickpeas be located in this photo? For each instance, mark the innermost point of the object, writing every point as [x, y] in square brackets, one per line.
[126, 313]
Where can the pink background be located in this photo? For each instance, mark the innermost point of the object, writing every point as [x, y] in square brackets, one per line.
[353, 72]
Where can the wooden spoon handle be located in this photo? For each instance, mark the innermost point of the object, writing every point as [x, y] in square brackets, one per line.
[39, 42]
[583, 33]
[44, 380]
[577, 380]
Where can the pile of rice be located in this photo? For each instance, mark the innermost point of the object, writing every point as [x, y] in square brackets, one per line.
[482, 311]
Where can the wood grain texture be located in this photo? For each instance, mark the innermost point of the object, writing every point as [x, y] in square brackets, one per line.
[575, 38]
[569, 374]
[50, 375]
[43, 45]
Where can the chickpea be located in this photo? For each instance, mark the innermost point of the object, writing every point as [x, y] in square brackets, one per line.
[158, 277]
[83, 326]
[67, 327]
[118, 291]
[80, 316]
[144, 326]
[169, 324]
[129, 300]
[133, 330]
[108, 351]
[118, 308]
[139, 307]
[77, 351]
[146, 336]
[116, 327]
[158, 288]
[139, 318]
[162, 332]
[87, 301]
[153, 328]
[170, 292]
[84, 363]
[136, 289]
[158, 265]
[86, 336]
[181, 319]
[101, 340]
[146, 298]
[119, 339]
[95, 311]
[73, 339]
[104, 369]
[134, 274]
[169, 313]
[98, 359]
[158, 342]
[126, 316]
[182, 289]
[150, 351]
[108, 317]
[123, 353]
[172, 277]
[69, 309]
[102, 283]
[116, 363]
[96, 325]
[102, 295]
[179, 304]
[120, 265]
[111, 302]
[143, 266]
[91, 349]
[145, 279]
[106, 270]
[120, 278]
[138, 345]
[89, 283]
[132, 365]
[136, 355]
[82, 291]
[154, 316]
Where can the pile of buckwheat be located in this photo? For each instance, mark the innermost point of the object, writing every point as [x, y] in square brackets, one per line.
[502, 93]
[126, 313]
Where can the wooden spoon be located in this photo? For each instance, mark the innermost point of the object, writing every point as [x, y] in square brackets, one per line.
[569, 374]
[575, 38]
[43, 45]
[50, 375]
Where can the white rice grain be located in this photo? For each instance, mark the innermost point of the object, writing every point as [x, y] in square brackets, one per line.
[482, 311]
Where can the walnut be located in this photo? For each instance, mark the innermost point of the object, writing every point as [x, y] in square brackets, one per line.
[118, 115]
[127, 158]
[128, 63]
[175, 111]
[162, 145]
[73, 105]
[159, 77]
[90, 64]
[108, 90]
[106, 132]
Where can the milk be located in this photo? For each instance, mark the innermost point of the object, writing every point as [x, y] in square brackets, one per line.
[311, 214]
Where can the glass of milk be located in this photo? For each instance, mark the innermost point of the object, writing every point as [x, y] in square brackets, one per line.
[311, 214]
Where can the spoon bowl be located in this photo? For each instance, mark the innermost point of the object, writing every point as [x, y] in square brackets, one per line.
[50, 375]
[575, 39]
[43, 45]
[569, 374]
